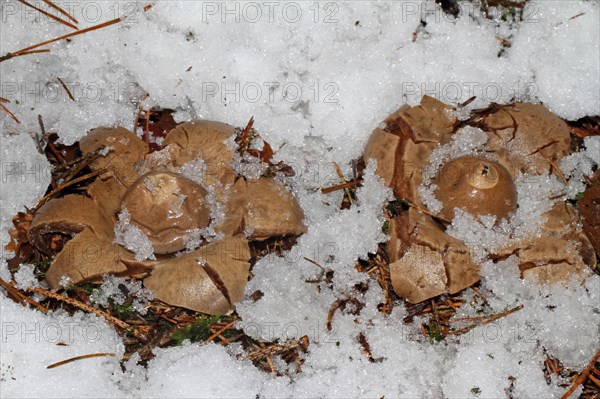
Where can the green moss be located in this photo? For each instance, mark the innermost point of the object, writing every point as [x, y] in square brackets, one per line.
[434, 332]
[123, 310]
[386, 227]
[197, 332]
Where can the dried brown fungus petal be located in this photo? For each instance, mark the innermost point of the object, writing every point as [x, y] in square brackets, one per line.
[209, 280]
[524, 136]
[89, 252]
[206, 140]
[269, 209]
[126, 149]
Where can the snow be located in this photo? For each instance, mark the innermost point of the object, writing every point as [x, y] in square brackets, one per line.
[25, 277]
[117, 290]
[580, 164]
[133, 238]
[316, 87]
[31, 341]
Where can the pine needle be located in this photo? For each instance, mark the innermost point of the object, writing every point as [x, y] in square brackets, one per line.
[556, 169]
[60, 10]
[342, 180]
[67, 184]
[139, 113]
[425, 211]
[9, 113]
[69, 35]
[79, 32]
[482, 320]
[73, 359]
[66, 89]
[327, 190]
[83, 306]
[220, 331]
[62, 21]
[19, 296]
[582, 377]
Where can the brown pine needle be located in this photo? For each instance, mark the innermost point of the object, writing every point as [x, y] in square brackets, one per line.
[314, 263]
[576, 16]
[60, 10]
[246, 132]
[66, 89]
[62, 21]
[73, 359]
[83, 306]
[4, 100]
[425, 211]
[139, 113]
[220, 331]
[342, 180]
[69, 35]
[9, 113]
[11, 55]
[67, 184]
[594, 380]
[556, 169]
[79, 32]
[12, 291]
[19, 296]
[147, 128]
[327, 190]
[483, 320]
[582, 377]
[551, 365]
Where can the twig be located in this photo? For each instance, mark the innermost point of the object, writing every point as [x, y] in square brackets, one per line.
[582, 377]
[73, 359]
[4, 100]
[62, 21]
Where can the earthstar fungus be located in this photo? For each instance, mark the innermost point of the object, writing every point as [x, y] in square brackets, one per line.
[184, 201]
[425, 261]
